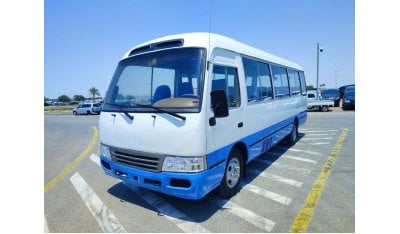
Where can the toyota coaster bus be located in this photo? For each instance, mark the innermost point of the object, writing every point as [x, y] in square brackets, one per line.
[184, 114]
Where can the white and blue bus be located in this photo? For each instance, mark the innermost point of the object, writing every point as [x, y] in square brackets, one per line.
[184, 114]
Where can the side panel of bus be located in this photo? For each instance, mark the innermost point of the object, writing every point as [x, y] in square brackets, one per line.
[224, 73]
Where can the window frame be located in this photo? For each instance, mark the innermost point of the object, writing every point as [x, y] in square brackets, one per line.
[226, 83]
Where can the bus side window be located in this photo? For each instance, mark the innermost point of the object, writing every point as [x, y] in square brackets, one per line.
[303, 83]
[226, 78]
[294, 82]
[280, 81]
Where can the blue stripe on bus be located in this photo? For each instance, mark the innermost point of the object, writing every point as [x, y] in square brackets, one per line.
[259, 142]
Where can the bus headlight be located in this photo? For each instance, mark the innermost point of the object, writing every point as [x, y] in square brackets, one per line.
[105, 151]
[184, 164]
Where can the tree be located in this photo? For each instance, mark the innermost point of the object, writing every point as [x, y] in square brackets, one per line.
[63, 98]
[93, 91]
[79, 98]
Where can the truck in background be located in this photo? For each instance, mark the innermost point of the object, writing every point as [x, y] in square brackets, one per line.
[315, 102]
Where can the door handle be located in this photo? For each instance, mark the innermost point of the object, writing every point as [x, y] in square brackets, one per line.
[240, 124]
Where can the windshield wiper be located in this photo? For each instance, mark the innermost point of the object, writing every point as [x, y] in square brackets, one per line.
[161, 110]
[123, 111]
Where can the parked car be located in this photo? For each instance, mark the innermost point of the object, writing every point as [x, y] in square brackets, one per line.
[331, 94]
[87, 109]
[349, 99]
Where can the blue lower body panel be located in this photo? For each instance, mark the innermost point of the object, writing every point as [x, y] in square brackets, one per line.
[184, 185]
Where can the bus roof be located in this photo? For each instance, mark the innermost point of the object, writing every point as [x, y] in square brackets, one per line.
[211, 41]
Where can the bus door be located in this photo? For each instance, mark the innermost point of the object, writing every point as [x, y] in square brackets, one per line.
[226, 130]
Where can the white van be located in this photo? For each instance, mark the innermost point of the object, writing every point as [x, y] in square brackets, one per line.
[87, 109]
[185, 113]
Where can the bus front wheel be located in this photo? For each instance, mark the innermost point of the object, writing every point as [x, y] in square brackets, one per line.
[230, 184]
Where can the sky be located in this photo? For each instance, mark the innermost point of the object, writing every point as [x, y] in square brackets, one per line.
[84, 40]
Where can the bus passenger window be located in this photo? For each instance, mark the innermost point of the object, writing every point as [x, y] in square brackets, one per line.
[280, 81]
[294, 82]
[303, 84]
[258, 80]
[226, 78]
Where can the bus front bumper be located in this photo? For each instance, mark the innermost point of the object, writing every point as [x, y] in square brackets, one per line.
[191, 186]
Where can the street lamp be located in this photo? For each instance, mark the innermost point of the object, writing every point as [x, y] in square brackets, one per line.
[336, 75]
[319, 50]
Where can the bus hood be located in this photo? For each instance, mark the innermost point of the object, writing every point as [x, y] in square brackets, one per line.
[154, 133]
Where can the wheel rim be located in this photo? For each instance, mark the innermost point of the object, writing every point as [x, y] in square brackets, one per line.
[233, 173]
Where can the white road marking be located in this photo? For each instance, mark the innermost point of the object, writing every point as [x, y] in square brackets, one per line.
[319, 143]
[106, 219]
[278, 165]
[304, 151]
[248, 215]
[321, 134]
[267, 194]
[321, 130]
[95, 159]
[292, 157]
[46, 227]
[170, 212]
[276, 178]
[300, 159]
[314, 139]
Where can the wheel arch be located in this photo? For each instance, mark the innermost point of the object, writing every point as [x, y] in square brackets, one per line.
[244, 152]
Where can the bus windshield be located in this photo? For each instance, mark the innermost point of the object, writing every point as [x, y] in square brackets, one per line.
[170, 79]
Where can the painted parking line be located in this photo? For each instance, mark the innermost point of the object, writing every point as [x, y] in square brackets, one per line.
[46, 227]
[71, 166]
[318, 143]
[169, 212]
[316, 139]
[275, 177]
[267, 194]
[248, 215]
[321, 134]
[320, 130]
[282, 166]
[305, 214]
[301, 151]
[106, 219]
[95, 159]
[300, 159]
[292, 157]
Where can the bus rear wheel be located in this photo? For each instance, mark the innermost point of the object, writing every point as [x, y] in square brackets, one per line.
[292, 137]
[233, 175]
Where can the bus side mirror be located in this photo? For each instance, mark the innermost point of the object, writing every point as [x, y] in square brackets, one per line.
[219, 104]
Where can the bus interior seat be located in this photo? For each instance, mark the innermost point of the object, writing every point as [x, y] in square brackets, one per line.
[162, 92]
[185, 88]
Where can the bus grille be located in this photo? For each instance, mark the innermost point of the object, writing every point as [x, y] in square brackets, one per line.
[139, 160]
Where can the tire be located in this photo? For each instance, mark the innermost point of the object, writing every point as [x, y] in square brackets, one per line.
[233, 175]
[324, 108]
[292, 137]
[88, 112]
[74, 113]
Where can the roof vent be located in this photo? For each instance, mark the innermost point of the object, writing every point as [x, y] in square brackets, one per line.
[157, 46]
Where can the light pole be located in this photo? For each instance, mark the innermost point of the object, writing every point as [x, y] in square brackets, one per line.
[319, 50]
[336, 75]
